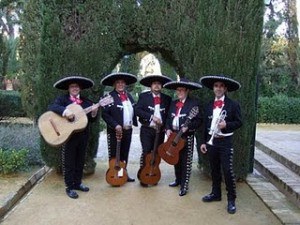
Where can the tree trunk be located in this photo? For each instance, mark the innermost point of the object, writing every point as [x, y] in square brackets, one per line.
[293, 41]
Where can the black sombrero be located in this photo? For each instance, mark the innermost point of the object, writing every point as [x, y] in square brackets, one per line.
[83, 82]
[149, 79]
[183, 82]
[208, 81]
[110, 79]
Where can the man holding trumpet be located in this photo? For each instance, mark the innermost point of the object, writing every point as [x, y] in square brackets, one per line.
[222, 116]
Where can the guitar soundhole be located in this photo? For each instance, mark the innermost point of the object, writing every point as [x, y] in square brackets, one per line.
[117, 168]
[72, 120]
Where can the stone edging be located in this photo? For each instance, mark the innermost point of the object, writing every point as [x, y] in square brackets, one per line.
[277, 202]
[12, 199]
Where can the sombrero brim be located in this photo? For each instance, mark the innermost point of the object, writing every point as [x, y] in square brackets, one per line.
[110, 79]
[173, 85]
[149, 79]
[208, 81]
[83, 82]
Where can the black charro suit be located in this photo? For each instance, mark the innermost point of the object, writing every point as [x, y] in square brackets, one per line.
[184, 166]
[221, 152]
[144, 110]
[74, 150]
[113, 116]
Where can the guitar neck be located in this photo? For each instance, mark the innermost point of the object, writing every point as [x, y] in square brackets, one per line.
[118, 153]
[156, 141]
[90, 108]
[179, 134]
[102, 102]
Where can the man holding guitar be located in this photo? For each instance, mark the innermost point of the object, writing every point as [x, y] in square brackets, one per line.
[74, 150]
[120, 118]
[179, 113]
[152, 109]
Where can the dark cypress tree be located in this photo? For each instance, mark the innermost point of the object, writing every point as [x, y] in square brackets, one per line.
[195, 37]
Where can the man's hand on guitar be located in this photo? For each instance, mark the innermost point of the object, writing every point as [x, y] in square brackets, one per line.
[168, 133]
[184, 129]
[68, 114]
[118, 129]
[94, 110]
[157, 120]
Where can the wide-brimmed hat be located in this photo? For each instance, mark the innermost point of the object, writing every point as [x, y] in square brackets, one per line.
[110, 79]
[149, 79]
[231, 84]
[183, 82]
[83, 82]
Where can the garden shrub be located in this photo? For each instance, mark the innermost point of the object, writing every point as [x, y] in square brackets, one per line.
[11, 105]
[12, 161]
[278, 109]
[20, 136]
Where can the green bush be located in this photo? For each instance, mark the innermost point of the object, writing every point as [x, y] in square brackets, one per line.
[19, 136]
[11, 105]
[12, 161]
[278, 109]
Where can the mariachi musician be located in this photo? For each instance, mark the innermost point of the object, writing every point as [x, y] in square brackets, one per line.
[178, 114]
[119, 116]
[74, 150]
[152, 109]
[222, 117]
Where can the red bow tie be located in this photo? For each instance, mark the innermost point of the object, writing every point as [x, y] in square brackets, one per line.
[218, 104]
[123, 96]
[157, 100]
[75, 100]
[179, 105]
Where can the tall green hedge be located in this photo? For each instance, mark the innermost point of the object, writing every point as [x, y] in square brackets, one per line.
[195, 37]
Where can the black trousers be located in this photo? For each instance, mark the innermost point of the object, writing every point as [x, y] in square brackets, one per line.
[147, 138]
[183, 168]
[73, 157]
[221, 157]
[125, 144]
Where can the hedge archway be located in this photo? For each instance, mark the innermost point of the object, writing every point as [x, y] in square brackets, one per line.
[91, 36]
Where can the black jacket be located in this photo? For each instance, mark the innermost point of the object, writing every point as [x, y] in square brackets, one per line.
[113, 114]
[60, 103]
[144, 108]
[185, 111]
[233, 117]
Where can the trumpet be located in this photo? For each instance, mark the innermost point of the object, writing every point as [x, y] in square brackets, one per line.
[215, 129]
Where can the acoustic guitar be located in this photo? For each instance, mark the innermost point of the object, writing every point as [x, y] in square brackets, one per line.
[116, 175]
[150, 173]
[169, 151]
[56, 130]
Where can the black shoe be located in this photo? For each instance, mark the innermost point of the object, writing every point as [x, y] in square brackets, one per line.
[82, 187]
[211, 197]
[71, 193]
[182, 192]
[174, 184]
[129, 179]
[231, 207]
[143, 185]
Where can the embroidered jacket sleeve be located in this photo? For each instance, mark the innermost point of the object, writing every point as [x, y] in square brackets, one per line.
[109, 113]
[59, 105]
[141, 108]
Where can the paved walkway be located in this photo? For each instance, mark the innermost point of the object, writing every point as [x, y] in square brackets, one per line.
[284, 139]
[132, 204]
